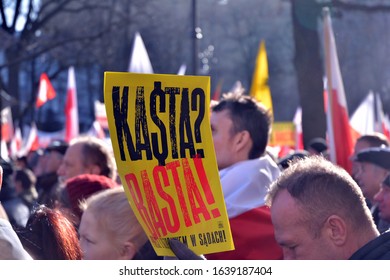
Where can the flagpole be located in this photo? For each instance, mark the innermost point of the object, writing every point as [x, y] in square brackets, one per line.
[329, 83]
[196, 34]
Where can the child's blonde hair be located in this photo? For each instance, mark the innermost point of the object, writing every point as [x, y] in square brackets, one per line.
[115, 217]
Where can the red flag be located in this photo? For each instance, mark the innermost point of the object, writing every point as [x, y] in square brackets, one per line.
[71, 109]
[340, 135]
[218, 91]
[45, 91]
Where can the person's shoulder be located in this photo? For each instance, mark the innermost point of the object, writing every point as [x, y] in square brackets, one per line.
[10, 245]
[376, 249]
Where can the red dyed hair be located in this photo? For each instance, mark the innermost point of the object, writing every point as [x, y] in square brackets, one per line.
[49, 235]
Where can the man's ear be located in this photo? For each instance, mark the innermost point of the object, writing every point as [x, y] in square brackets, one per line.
[128, 251]
[94, 169]
[336, 229]
[242, 139]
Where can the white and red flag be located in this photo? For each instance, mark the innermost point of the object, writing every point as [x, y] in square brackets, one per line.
[97, 130]
[32, 142]
[363, 118]
[16, 143]
[386, 126]
[7, 127]
[381, 124]
[340, 136]
[297, 120]
[45, 90]
[71, 108]
[101, 114]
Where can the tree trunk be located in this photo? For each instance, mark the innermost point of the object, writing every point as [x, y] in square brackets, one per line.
[13, 78]
[309, 68]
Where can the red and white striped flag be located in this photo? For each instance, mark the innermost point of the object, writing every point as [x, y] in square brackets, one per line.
[71, 108]
[340, 137]
[386, 126]
[45, 90]
[380, 120]
[101, 114]
[32, 141]
[16, 143]
[7, 127]
[4, 150]
[298, 129]
[96, 130]
[363, 118]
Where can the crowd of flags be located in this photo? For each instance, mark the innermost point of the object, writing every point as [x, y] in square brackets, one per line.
[20, 145]
[341, 133]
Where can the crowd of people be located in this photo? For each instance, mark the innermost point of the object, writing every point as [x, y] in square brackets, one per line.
[66, 201]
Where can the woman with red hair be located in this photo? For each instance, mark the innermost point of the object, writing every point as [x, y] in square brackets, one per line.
[49, 235]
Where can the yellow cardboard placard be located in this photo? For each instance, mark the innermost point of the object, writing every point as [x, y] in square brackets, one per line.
[160, 132]
[283, 134]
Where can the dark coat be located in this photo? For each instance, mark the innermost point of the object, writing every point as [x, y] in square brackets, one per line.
[377, 249]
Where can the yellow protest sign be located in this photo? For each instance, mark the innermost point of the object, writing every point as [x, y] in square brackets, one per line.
[160, 132]
[283, 134]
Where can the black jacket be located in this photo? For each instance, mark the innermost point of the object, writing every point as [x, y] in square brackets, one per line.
[377, 249]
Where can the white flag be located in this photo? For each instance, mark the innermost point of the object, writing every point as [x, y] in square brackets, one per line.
[182, 70]
[363, 118]
[139, 59]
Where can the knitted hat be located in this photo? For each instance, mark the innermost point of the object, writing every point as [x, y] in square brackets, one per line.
[83, 186]
[378, 155]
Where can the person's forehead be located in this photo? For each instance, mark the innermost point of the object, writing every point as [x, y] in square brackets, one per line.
[74, 149]
[361, 145]
[284, 208]
[285, 215]
[221, 117]
[88, 220]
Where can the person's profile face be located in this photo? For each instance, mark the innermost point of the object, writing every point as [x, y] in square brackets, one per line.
[359, 146]
[383, 200]
[72, 163]
[293, 234]
[369, 178]
[94, 241]
[221, 127]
